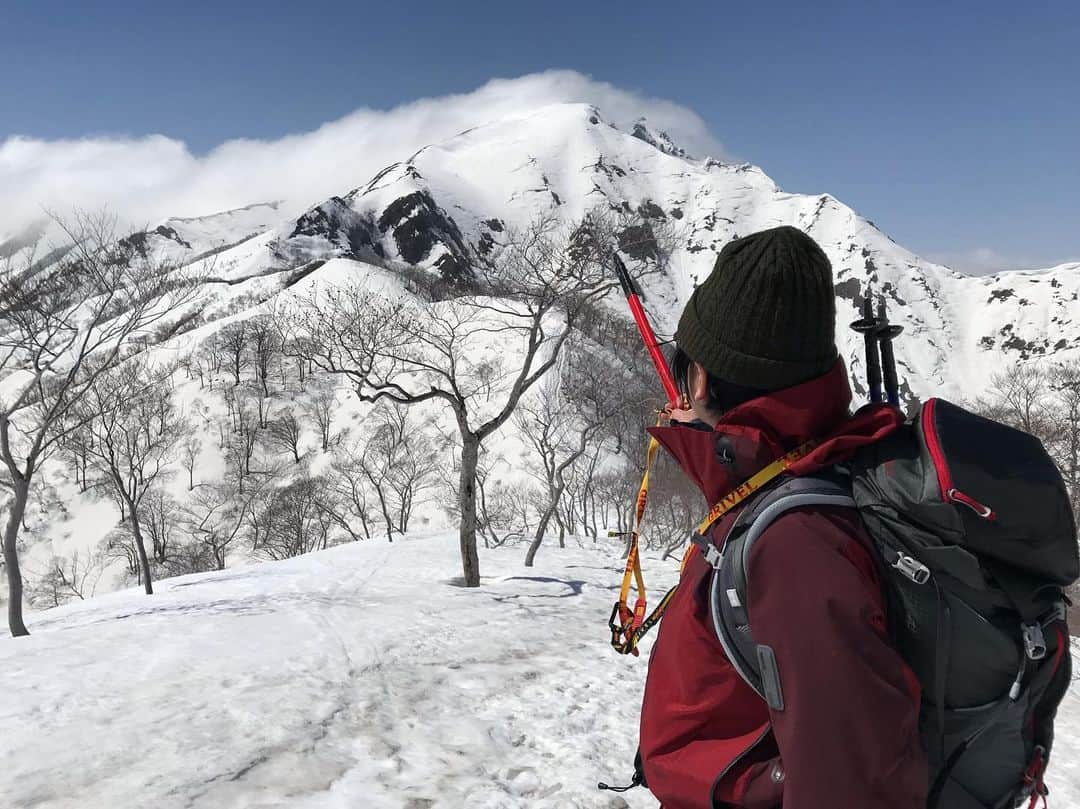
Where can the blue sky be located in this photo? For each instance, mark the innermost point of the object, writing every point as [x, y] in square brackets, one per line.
[954, 126]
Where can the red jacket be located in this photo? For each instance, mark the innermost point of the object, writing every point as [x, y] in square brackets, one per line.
[848, 734]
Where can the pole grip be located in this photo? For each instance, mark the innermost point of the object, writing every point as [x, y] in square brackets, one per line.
[888, 362]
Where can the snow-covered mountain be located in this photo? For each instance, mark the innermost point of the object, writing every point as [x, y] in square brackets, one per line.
[441, 207]
[441, 210]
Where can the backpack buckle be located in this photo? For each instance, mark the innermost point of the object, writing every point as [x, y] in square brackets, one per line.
[1056, 613]
[1034, 642]
[912, 568]
[712, 554]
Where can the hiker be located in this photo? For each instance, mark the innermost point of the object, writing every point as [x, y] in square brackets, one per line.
[757, 363]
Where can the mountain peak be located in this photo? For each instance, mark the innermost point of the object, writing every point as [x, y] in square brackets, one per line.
[660, 139]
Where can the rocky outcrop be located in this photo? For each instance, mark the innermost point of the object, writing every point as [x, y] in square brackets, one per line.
[354, 235]
[419, 227]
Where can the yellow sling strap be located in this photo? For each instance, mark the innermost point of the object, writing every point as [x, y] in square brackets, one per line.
[633, 626]
[624, 621]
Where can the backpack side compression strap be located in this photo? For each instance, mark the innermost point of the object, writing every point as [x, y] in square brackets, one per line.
[728, 589]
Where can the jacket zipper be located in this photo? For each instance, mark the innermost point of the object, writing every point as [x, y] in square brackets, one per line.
[724, 772]
[949, 493]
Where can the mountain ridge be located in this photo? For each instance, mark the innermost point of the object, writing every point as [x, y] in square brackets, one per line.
[441, 208]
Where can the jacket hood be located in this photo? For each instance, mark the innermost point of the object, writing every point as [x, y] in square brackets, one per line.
[757, 432]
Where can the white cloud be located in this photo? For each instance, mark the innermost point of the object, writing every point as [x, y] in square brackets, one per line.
[142, 180]
[986, 261]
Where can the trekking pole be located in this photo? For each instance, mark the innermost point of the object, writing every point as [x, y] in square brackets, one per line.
[886, 332]
[868, 327]
[648, 336]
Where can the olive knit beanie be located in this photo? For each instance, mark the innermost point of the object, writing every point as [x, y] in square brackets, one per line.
[766, 315]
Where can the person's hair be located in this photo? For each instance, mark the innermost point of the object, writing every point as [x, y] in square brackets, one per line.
[721, 395]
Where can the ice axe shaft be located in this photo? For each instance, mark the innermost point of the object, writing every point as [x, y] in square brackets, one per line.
[648, 336]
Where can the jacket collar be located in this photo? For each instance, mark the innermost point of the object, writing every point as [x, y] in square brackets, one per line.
[755, 433]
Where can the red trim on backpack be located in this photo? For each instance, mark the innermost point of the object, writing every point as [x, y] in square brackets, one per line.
[949, 493]
[1033, 776]
[932, 443]
[1063, 642]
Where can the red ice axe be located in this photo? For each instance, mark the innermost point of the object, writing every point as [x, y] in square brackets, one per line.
[633, 298]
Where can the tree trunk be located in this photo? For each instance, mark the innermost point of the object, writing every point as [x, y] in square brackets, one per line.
[144, 563]
[470, 561]
[538, 537]
[11, 563]
[383, 507]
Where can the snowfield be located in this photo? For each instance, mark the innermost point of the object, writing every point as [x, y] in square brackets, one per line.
[361, 676]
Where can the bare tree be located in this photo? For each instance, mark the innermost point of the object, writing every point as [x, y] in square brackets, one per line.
[135, 429]
[500, 505]
[364, 468]
[299, 348]
[158, 517]
[320, 409]
[1018, 397]
[403, 462]
[68, 578]
[249, 395]
[284, 433]
[214, 518]
[119, 544]
[63, 325]
[264, 338]
[76, 447]
[301, 523]
[476, 354]
[231, 346]
[563, 420]
[190, 449]
[582, 488]
[617, 489]
[243, 441]
[206, 363]
[348, 483]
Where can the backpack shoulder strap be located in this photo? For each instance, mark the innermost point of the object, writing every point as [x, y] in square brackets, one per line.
[727, 596]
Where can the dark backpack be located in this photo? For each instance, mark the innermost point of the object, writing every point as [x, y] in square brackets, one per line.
[971, 525]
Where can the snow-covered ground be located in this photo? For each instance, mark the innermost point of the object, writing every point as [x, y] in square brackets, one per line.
[362, 676]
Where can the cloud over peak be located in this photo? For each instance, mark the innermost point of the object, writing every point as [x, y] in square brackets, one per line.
[146, 179]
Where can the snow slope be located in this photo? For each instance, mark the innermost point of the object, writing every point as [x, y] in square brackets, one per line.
[355, 677]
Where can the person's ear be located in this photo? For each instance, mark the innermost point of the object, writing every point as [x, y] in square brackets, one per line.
[699, 382]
